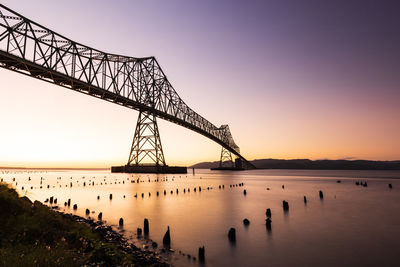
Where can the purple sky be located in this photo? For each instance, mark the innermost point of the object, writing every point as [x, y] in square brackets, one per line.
[293, 79]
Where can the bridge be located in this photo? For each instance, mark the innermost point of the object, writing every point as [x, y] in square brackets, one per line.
[137, 83]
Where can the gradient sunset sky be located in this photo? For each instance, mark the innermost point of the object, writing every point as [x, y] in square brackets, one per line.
[293, 79]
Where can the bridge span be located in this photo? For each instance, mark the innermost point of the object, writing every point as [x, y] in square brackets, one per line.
[137, 83]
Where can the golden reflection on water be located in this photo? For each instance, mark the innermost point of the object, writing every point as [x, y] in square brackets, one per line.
[350, 220]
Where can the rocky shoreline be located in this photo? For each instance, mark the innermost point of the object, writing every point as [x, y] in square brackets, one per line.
[141, 257]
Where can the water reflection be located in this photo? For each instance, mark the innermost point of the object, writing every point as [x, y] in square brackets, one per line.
[200, 212]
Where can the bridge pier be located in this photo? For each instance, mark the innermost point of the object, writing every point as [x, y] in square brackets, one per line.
[146, 154]
[226, 162]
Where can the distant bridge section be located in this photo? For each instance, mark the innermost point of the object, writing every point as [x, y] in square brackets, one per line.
[137, 83]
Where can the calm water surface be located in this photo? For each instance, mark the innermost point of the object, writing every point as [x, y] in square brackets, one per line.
[351, 226]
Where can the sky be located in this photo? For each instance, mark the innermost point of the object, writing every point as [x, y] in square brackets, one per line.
[292, 79]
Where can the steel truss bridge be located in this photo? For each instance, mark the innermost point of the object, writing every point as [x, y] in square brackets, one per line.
[137, 83]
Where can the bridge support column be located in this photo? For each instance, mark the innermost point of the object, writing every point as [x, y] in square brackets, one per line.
[226, 159]
[146, 145]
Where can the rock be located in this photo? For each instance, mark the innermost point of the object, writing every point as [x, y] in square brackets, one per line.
[268, 213]
[285, 205]
[390, 186]
[100, 216]
[121, 222]
[146, 227]
[232, 235]
[139, 231]
[167, 238]
[154, 244]
[202, 254]
[321, 194]
[246, 222]
[244, 192]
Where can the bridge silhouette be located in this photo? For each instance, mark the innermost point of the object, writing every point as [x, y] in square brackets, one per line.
[137, 83]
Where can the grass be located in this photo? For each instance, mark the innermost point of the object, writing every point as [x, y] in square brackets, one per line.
[33, 235]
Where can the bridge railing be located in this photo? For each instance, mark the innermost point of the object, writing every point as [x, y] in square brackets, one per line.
[124, 79]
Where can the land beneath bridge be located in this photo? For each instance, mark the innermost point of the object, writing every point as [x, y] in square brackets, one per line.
[313, 164]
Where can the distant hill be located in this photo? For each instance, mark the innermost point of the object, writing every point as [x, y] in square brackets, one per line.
[314, 164]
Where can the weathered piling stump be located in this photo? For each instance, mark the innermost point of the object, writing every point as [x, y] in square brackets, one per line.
[305, 200]
[146, 226]
[246, 221]
[69, 202]
[98, 197]
[167, 238]
[75, 207]
[110, 196]
[51, 200]
[321, 194]
[139, 231]
[268, 213]
[268, 222]
[285, 205]
[283, 186]
[244, 192]
[142, 195]
[202, 254]
[232, 235]
[157, 193]
[121, 222]
[100, 216]
[87, 211]
[390, 186]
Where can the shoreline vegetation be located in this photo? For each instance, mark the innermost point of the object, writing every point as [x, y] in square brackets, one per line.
[32, 234]
[307, 164]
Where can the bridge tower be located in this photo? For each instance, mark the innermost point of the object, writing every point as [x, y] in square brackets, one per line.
[226, 160]
[146, 145]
